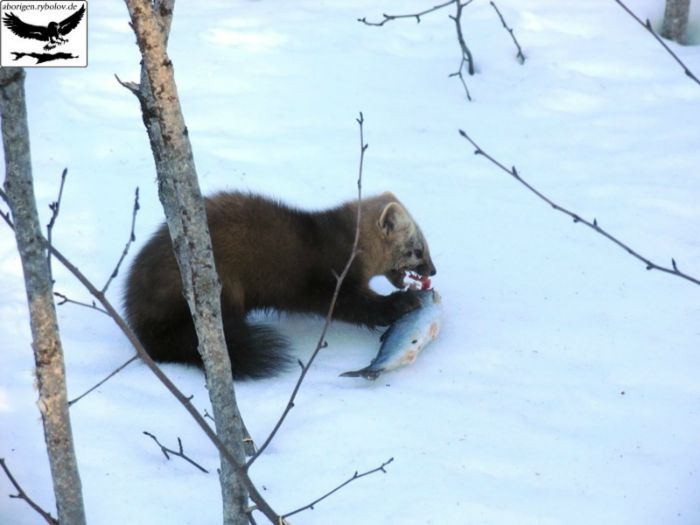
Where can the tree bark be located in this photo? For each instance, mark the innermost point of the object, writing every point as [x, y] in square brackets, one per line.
[675, 22]
[182, 201]
[48, 352]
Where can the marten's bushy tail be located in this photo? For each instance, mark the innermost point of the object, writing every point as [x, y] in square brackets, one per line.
[256, 351]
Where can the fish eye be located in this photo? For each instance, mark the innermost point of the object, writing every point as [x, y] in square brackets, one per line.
[419, 253]
[414, 341]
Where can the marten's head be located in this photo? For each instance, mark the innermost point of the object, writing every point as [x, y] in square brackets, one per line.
[401, 248]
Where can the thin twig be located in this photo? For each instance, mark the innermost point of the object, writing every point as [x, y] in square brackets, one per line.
[132, 238]
[167, 451]
[23, 496]
[6, 217]
[111, 375]
[354, 477]
[329, 316]
[55, 207]
[594, 225]
[65, 300]
[389, 18]
[519, 56]
[647, 25]
[467, 58]
[466, 53]
[131, 86]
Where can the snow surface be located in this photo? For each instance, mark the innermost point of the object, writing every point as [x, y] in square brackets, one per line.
[564, 387]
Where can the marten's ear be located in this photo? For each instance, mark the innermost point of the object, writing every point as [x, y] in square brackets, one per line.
[394, 218]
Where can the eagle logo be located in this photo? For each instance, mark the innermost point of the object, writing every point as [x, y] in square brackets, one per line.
[53, 33]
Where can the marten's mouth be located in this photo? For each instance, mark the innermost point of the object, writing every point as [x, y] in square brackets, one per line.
[398, 278]
[421, 282]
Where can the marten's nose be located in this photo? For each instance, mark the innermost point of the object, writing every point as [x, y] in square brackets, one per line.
[427, 269]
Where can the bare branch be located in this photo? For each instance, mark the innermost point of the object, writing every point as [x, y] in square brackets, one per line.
[466, 53]
[111, 375]
[647, 25]
[132, 238]
[595, 225]
[459, 75]
[131, 86]
[519, 56]
[66, 300]
[6, 217]
[389, 18]
[354, 477]
[23, 496]
[55, 207]
[329, 316]
[167, 451]
[466, 59]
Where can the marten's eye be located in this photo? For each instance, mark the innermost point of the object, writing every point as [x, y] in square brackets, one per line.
[419, 254]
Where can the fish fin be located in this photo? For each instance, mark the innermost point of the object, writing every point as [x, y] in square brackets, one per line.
[371, 375]
[386, 333]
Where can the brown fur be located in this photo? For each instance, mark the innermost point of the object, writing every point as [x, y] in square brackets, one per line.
[269, 255]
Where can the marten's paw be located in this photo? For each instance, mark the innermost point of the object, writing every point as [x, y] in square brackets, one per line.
[397, 304]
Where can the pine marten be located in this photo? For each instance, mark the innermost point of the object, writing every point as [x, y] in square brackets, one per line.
[272, 256]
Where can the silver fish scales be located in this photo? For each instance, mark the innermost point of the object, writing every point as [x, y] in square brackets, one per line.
[406, 338]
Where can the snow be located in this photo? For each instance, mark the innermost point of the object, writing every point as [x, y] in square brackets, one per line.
[563, 388]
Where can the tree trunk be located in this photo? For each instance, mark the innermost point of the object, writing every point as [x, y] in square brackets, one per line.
[48, 353]
[675, 21]
[186, 217]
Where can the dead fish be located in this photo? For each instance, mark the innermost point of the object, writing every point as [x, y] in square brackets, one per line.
[404, 339]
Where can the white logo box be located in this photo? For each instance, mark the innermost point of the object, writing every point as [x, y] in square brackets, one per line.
[43, 33]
